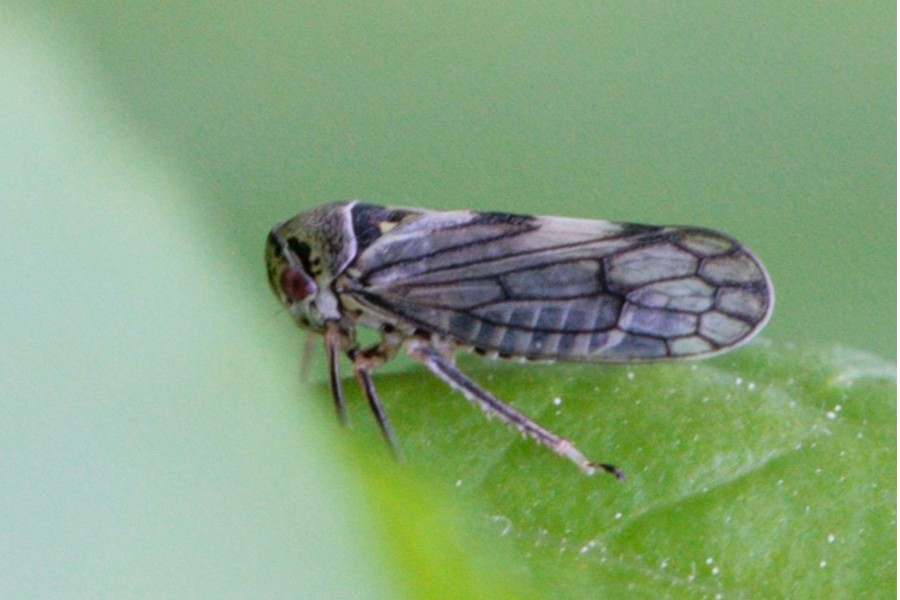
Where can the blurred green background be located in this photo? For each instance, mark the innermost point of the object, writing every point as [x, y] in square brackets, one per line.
[147, 376]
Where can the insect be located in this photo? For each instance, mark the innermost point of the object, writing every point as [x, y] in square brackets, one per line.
[510, 286]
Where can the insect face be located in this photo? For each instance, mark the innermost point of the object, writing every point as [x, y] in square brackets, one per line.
[290, 277]
[303, 256]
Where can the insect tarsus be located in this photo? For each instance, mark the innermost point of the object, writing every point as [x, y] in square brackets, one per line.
[490, 404]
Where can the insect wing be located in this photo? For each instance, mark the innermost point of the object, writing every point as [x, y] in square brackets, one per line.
[554, 288]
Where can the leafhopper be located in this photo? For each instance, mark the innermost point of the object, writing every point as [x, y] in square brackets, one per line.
[510, 286]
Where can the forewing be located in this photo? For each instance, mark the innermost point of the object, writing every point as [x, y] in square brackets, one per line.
[567, 289]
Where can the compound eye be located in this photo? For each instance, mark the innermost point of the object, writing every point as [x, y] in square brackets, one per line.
[297, 285]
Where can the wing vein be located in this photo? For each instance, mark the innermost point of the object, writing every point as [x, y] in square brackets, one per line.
[401, 261]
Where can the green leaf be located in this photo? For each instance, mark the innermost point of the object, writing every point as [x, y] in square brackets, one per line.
[767, 473]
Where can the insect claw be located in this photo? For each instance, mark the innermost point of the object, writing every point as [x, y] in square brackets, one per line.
[611, 469]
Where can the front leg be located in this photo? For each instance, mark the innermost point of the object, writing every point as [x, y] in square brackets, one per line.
[336, 340]
[365, 361]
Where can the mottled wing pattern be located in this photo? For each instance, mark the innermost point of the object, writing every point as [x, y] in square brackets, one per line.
[566, 289]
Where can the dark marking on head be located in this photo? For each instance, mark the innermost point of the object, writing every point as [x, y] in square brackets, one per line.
[368, 220]
[302, 251]
[275, 244]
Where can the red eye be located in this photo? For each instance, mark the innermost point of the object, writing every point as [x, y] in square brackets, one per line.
[297, 285]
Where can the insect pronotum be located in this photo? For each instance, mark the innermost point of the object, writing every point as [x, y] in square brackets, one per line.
[510, 286]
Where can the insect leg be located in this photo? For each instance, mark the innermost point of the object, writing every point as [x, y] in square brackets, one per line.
[333, 339]
[364, 362]
[438, 365]
[306, 359]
